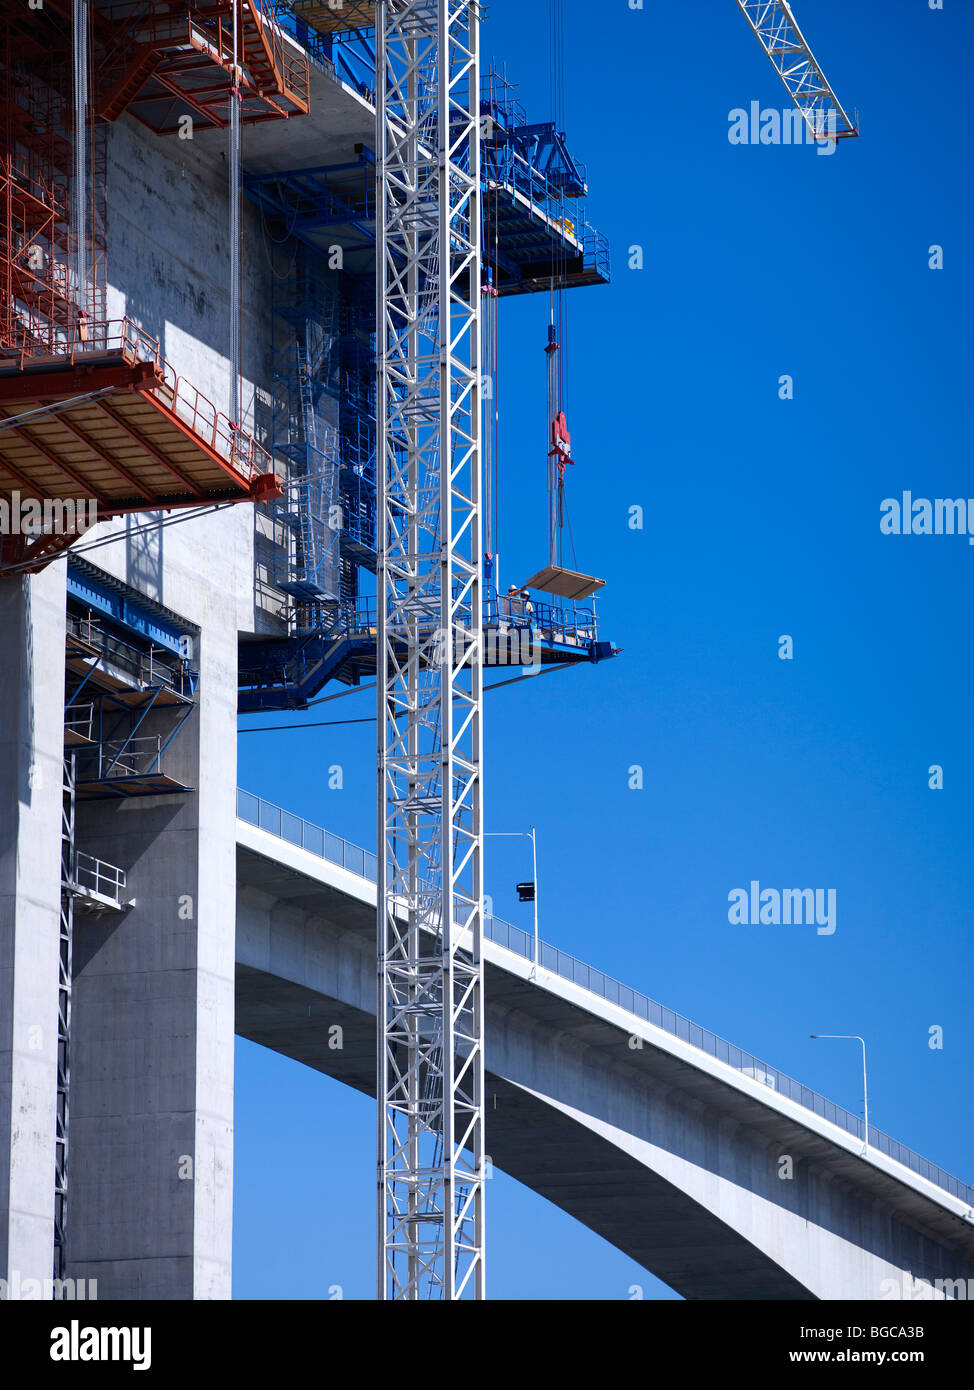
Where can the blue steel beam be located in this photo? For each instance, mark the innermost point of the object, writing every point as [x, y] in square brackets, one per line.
[545, 149]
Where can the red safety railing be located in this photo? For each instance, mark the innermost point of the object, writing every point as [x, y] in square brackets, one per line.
[270, 66]
[291, 64]
[94, 339]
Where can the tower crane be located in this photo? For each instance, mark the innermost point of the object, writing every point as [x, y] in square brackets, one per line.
[430, 912]
[431, 1159]
[776, 30]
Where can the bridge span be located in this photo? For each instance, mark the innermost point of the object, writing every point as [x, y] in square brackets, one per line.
[666, 1140]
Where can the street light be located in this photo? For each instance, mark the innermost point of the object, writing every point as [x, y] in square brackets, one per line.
[526, 835]
[854, 1037]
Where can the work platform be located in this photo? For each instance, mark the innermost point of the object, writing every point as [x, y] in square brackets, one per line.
[537, 245]
[287, 673]
[335, 19]
[115, 687]
[317, 177]
[162, 66]
[109, 423]
[536, 235]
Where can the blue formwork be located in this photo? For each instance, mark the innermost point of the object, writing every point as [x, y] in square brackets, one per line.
[287, 673]
[305, 553]
[348, 55]
[324, 346]
[353, 383]
[536, 237]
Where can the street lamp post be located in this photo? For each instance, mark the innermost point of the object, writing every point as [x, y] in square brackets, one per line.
[526, 835]
[854, 1037]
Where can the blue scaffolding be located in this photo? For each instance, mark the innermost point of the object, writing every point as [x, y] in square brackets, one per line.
[325, 528]
[324, 372]
[348, 55]
[537, 237]
[306, 521]
[129, 689]
[351, 381]
[276, 674]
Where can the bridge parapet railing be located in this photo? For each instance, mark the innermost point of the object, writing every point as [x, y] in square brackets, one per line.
[297, 831]
[305, 835]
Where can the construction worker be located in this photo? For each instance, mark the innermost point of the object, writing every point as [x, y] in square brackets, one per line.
[82, 326]
[528, 610]
[511, 607]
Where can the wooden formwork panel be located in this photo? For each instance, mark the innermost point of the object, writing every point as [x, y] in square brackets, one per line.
[151, 784]
[335, 19]
[125, 449]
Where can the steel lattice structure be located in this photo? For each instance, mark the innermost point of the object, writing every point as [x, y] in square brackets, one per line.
[779, 35]
[65, 971]
[430, 891]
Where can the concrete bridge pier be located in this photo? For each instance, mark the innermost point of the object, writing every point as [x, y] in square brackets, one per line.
[31, 738]
[151, 1156]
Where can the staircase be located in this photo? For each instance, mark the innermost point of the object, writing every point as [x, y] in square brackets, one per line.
[277, 73]
[165, 44]
[116, 100]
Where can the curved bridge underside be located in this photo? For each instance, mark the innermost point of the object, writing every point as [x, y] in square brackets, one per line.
[669, 1154]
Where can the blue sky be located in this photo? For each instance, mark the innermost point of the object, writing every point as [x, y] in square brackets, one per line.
[761, 518]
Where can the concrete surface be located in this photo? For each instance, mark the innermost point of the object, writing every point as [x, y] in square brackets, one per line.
[31, 740]
[668, 1153]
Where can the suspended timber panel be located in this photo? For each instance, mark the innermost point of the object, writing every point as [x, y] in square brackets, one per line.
[329, 19]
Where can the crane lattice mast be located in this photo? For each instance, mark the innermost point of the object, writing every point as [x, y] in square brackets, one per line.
[779, 35]
[430, 639]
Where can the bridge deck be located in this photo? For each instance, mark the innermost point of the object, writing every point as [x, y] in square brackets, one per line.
[642, 1180]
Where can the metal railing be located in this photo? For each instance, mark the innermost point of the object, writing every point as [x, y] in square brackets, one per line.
[97, 876]
[345, 55]
[291, 68]
[148, 667]
[91, 337]
[505, 166]
[559, 623]
[302, 833]
[137, 756]
[562, 622]
[80, 719]
[596, 250]
[254, 810]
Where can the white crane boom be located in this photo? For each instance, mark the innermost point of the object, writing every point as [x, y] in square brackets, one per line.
[778, 33]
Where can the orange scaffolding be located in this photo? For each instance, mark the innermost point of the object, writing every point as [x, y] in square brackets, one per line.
[162, 62]
[35, 162]
[100, 417]
[108, 422]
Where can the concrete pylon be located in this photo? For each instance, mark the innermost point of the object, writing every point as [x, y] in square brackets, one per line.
[31, 749]
[151, 1151]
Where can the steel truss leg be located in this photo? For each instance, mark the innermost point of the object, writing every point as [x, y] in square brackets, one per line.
[430, 892]
[64, 1017]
